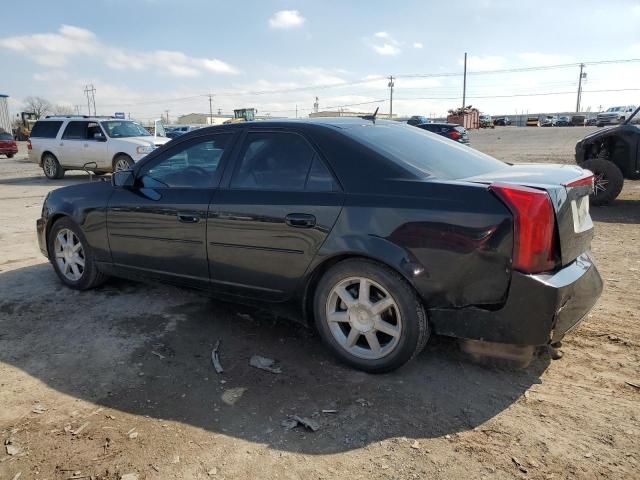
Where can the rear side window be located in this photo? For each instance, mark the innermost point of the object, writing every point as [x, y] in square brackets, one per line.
[277, 161]
[75, 131]
[46, 129]
[423, 154]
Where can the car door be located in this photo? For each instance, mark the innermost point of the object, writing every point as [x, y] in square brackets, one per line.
[157, 227]
[95, 147]
[266, 225]
[71, 144]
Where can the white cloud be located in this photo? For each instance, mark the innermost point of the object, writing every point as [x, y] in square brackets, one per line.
[537, 59]
[286, 19]
[417, 45]
[57, 49]
[384, 44]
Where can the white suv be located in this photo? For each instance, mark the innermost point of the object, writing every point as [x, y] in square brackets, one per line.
[102, 144]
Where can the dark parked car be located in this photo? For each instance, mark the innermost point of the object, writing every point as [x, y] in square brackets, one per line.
[417, 120]
[612, 154]
[564, 121]
[501, 121]
[449, 130]
[8, 146]
[380, 234]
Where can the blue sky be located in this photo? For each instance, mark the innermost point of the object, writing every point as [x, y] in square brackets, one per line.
[149, 56]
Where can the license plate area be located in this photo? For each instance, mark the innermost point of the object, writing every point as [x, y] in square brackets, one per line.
[580, 213]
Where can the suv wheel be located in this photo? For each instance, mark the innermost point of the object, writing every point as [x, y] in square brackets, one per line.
[72, 257]
[122, 162]
[369, 316]
[51, 167]
[607, 180]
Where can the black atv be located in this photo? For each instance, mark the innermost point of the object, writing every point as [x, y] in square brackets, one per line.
[612, 154]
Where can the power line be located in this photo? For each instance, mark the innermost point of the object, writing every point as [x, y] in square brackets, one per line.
[525, 94]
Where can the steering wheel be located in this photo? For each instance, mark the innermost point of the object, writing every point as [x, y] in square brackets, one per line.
[196, 169]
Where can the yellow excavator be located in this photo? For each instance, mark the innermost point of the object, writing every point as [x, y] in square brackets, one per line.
[243, 115]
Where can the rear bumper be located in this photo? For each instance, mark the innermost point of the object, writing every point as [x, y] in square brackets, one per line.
[4, 151]
[539, 308]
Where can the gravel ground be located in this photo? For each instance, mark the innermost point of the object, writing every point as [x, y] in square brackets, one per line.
[119, 380]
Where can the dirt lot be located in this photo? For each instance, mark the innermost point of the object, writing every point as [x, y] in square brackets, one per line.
[119, 380]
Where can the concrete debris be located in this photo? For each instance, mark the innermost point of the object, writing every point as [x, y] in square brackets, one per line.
[133, 435]
[518, 464]
[12, 449]
[264, 363]
[79, 430]
[232, 395]
[39, 409]
[129, 476]
[292, 422]
[215, 358]
[415, 445]
[212, 472]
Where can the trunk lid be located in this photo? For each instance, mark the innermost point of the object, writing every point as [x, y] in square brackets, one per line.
[570, 200]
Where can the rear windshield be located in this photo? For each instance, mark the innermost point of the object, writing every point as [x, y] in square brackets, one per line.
[5, 136]
[46, 129]
[426, 154]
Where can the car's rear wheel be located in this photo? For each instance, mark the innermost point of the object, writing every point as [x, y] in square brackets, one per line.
[369, 316]
[10, 155]
[51, 167]
[122, 162]
[607, 180]
[72, 256]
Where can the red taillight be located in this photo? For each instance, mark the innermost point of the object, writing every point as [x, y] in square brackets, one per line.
[534, 227]
[454, 134]
[586, 179]
[28, 144]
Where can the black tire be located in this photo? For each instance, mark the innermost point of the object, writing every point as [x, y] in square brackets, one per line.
[91, 277]
[122, 158]
[604, 171]
[51, 167]
[414, 332]
[10, 155]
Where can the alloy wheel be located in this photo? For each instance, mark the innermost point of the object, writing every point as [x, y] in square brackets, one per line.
[50, 166]
[600, 184]
[122, 164]
[363, 318]
[69, 254]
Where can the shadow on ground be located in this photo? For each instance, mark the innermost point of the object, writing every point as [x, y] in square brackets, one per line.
[623, 211]
[97, 346]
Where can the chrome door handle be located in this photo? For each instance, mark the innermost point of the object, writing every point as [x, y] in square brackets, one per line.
[188, 217]
[300, 220]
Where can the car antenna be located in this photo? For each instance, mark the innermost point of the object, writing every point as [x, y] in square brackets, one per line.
[371, 117]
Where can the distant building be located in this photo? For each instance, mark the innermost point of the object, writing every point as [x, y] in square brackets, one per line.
[348, 113]
[5, 121]
[203, 119]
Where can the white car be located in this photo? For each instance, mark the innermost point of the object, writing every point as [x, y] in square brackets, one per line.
[614, 115]
[100, 144]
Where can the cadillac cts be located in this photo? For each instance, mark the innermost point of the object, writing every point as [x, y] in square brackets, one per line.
[379, 234]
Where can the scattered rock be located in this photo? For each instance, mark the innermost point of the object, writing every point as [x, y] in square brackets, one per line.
[215, 358]
[39, 409]
[133, 435]
[129, 476]
[518, 464]
[12, 449]
[175, 459]
[292, 422]
[415, 445]
[264, 363]
[588, 455]
[212, 472]
[232, 395]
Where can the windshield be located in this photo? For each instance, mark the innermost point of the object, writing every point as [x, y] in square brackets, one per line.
[5, 136]
[123, 129]
[615, 109]
[425, 153]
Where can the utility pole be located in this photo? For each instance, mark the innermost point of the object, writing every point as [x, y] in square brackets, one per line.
[296, 110]
[210, 110]
[77, 109]
[582, 75]
[90, 92]
[167, 114]
[391, 85]
[316, 105]
[464, 82]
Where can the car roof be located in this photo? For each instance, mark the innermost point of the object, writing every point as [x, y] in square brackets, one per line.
[81, 117]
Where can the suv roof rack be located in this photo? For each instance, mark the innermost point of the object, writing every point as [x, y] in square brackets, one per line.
[79, 116]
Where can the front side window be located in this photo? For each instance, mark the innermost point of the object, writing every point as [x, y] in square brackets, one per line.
[193, 165]
[280, 161]
[124, 129]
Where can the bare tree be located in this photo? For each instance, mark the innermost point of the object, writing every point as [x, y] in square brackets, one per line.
[63, 110]
[38, 105]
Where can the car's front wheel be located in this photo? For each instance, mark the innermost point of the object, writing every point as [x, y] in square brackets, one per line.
[72, 256]
[370, 316]
[51, 167]
[122, 162]
[607, 180]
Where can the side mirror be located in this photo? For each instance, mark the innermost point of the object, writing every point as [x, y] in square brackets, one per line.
[122, 178]
[99, 137]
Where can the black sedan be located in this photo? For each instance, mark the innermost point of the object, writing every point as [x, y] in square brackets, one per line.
[450, 130]
[378, 233]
